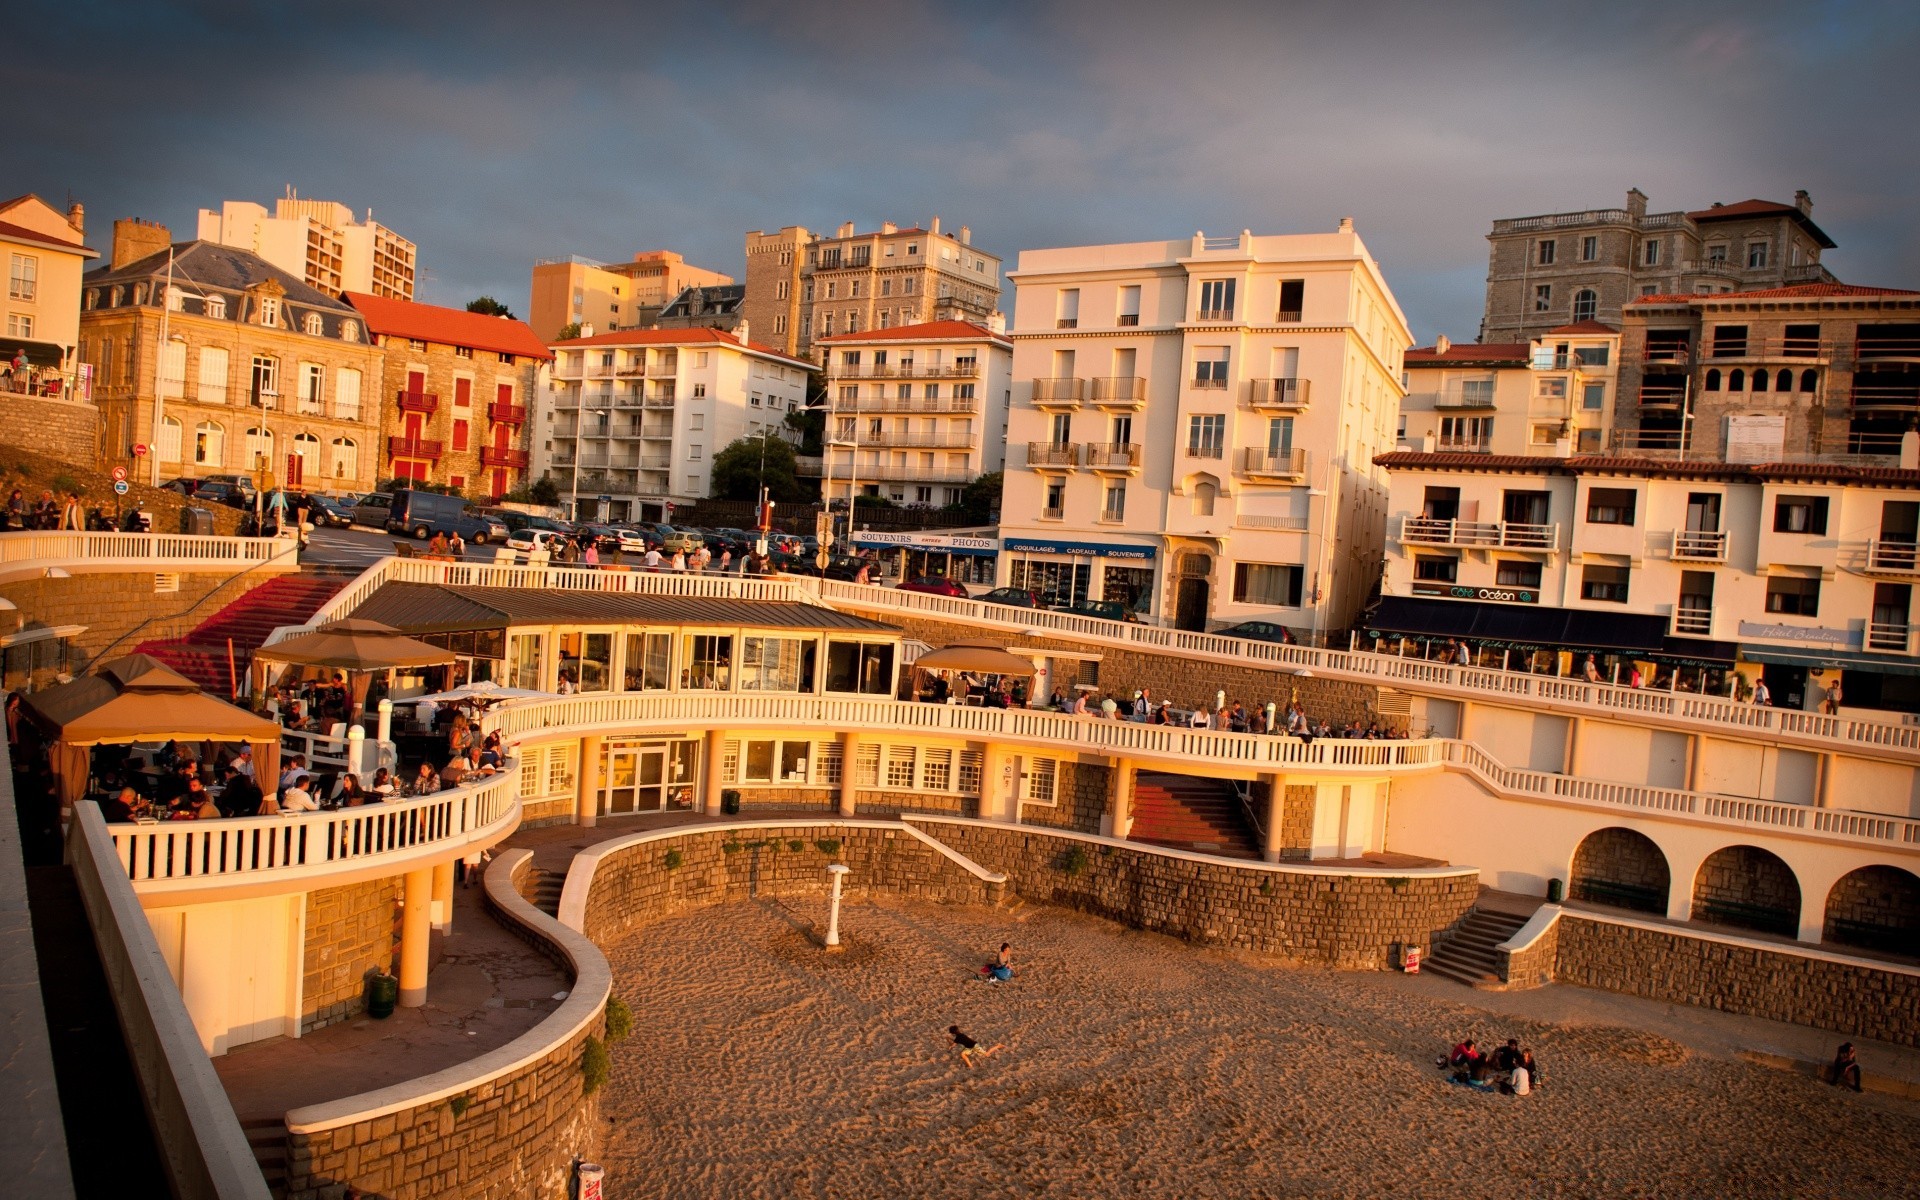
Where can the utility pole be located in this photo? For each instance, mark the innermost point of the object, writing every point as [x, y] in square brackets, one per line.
[160, 369]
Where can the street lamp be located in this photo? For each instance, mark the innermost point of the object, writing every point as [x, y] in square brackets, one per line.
[574, 508]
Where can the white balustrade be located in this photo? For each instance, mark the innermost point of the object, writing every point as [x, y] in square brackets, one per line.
[28, 550]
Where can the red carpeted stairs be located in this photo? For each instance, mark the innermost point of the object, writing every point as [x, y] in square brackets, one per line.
[201, 655]
[1186, 812]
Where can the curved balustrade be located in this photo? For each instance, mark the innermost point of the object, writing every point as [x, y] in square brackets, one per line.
[26, 552]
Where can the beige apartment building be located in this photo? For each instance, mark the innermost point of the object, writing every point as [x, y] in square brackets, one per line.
[454, 394]
[803, 286]
[1194, 427]
[318, 241]
[46, 255]
[916, 412]
[251, 367]
[609, 296]
[1563, 268]
[1553, 395]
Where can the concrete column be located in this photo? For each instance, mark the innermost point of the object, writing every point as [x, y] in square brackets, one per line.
[849, 751]
[999, 785]
[442, 912]
[710, 772]
[1822, 778]
[1693, 762]
[587, 796]
[1466, 720]
[415, 929]
[1276, 812]
[1117, 821]
[1575, 729]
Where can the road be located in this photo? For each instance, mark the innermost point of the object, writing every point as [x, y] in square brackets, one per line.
[360, 548]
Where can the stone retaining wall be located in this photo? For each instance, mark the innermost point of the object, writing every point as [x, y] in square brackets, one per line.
[68, 430]
[1080, 791]
[1341, 919]
[1531, 964]
[112, 604]
[349, 930]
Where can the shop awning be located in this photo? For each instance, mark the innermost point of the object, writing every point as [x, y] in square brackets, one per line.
[39, 354]
[1816, 659]
[1701, 652]
[1520, 625]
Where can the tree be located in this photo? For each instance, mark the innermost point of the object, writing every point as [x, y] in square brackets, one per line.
[811, 423]
[568, 332]
[488, 306]
[738, 471]
[545, 491]
[980, 500]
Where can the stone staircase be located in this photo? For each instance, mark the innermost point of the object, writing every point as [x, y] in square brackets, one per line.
[547, 886]
[1186, 812]
[1467, 956]
[201, 654]
[267, 1138]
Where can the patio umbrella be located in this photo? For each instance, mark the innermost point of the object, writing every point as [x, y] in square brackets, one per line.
[482, 691]
[984, 657]
[356, 645]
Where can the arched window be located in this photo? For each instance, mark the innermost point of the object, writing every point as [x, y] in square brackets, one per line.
[1737, 380]
[346, 458]
[1713, 379]
[170, 439]
[349, 331]
[1585, 303]
[1784, 381]
[1204, 493]
[1760, 380]
[315, 325]
[259, 446]
[217, 307]
[1809, 380]
[307, 447]
[210, 444]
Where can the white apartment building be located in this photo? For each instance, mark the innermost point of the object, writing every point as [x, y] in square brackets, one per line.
[916, 412]
[1553, 395]
[1801, 573]
[629, 422]
[1194, 427]
[319, 241]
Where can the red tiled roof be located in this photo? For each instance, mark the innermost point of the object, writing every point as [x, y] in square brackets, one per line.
[9, 229]
[1798, 291]
[928, 332]
[1442, 459]
[1517, 353]
[1627, 464]
[448, 326]
[1579, 327]
[1761, 208]
[679, 337]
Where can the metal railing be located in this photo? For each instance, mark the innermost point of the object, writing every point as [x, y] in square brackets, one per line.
[1270, 462]
[907, 404]
[1700, 545]
[925, 441]
[1890, 635]
[1462, 397]
[1693, 622]
[152, 551]
[403, 447]
[507, 414]
[1053, 454]
[1897, 555]
[1059, 391]
[1511, 535]
[420, 402]
[1120, 389]
[1277, 393]
[1113, 455]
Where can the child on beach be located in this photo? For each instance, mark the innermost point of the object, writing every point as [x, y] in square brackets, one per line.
[1000, 970]
[969, 1047]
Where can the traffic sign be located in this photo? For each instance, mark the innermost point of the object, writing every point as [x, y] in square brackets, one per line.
[121, 487]
[118, 474]
[139, 449]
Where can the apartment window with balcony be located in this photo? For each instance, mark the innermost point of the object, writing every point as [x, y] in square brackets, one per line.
[265, 387]
[1800, 514]
[1067, 309]
[1056, 503]
[874, 427]
[1589, 249]
[1513, 572]
[1293, 299]
[849, 358]
[23, 277]
[1590, 356]
[1113, 505]
[1586, 302]
[312, 376]
[1650, 253]
[1543, 297]
[1216, 300]
[1756, 256]
[1546, 251]
[1791, 595]
[1606, 584]
[902, 391]
[1206, 435]
[1129, 313]
[1466, 433]
[1436, 568]
[1611, 506]
[1210, 367]
[1717, 253]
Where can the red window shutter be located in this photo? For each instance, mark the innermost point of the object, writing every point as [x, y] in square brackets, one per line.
[463, 392]
[459, 435]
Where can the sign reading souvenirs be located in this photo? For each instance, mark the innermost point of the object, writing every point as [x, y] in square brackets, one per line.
[1496, 595]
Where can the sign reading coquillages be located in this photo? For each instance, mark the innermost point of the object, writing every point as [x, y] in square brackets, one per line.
[1491, 595]
[1095, 549]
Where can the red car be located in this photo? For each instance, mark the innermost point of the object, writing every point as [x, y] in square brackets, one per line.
[938, 585]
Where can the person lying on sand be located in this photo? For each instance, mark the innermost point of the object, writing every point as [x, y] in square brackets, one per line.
[969, 1047]
[1000, 970]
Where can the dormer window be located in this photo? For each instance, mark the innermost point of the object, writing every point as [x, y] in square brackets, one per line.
[217, 307]
[349, 331]
[93, 297]
[176, 299]
[269, 310]
[316, 325]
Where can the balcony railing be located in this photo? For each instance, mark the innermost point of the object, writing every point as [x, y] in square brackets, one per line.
[506, 414]
[1510, 535]
[496, 456]
[1662, 395]
[657, 432]
[1885, 395]
[419, 402]
[656, 463]
[1059, 392]
[1053, 514]
[1893, 556]
[1700, 545]
[1053, 454]
[1892, 636]
[1693, 622]
[1113, 456]
[1128, 391]
[965, 368]
[659, 402]
[1464, 398]
[908, 404]
[1208, 383]
[1277, 393]
[663, 367]
[1270, 462]
[1667, 352]
[1112, 516]
[1669, 441]
[401, 447]
[1458, 445]
[923, 441]
[1869, 346]
[1213, 314]
[1205, 450]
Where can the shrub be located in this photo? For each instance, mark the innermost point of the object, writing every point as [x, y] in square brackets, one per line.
[674, 859]
[460, 1104]
[595, 1064]
[730, 847]
[796, 845]
[1398, 882]
[1075, 861]
[1266, 887]
[828, 846]
[62, 484]
[619, 1019]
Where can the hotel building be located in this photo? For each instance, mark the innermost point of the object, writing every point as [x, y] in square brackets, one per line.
[318, 241]
[607, 296]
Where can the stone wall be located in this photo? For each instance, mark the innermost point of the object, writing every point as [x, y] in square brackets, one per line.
[1855, 999]
[349, 930]
[1747, 876]
[1080, 791]
[1623, 857]
[113, 605]
[1533, 964]
[1335, 919]
[1885, 900]
[1296, 821]
[64, 429]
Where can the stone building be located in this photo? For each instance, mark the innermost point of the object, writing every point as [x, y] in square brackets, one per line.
[803, 286]
[252, 367]
[454, 396]
[1817, 368]
[1563, 268]
[715, 306]
[609, 296]
[319, 241]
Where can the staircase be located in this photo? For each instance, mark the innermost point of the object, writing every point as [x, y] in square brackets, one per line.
[1467, 957]
[201, 654]
[546, 891]
[267, 1138]
[1185, 812]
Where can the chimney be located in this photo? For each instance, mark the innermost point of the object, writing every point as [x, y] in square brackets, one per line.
[740, 331]
[1442, 344]
[846, 229]
[889, 227]
[1346, 224]
[586, 329]
[1801, 201]
[77, 217]
[134, 239]
[1636, 203]
[935, 227]
[966, 235]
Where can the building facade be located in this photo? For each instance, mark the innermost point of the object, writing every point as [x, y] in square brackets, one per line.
[1686, 573]
[629, 422]
[916, 412]
[1194, 425]
[454, 394]
[610, 296]
[1564, 268]
[318, 241]
[253, 369]
[802, 286]
[1554, 395]
[1823, 368]
[46, 255]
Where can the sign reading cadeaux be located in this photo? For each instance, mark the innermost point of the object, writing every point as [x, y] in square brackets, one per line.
[1097, 549]
[1494, 595]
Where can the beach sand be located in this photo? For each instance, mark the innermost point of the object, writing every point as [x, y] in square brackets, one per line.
[1136, 1065]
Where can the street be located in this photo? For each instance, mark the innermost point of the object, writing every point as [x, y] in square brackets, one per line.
[359, 547]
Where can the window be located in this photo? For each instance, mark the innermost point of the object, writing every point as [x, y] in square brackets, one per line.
[1216, 300]
[173, 368]
[1466, 433]
[1713, 379]
[259, 447]
[19, 325]
[306, 448]
[1800, 514]
[1515, 573]
[1542, 297]
[1610, 506]
[346, 459]
[694, 450]
[774, 664]
[860, 667]
[349, 331]
[1113, 505]
[170, 439]
[1206, 435]
[1544, 434]
[312, 376]
[460, 428]
[1607, 584]
[1436, 568]
[1067, 309]
[346, 394]
[315, 325]
[1274, 584]
[270, 310]
[707, 662]
[1717, 253]
[217, 307]
[1551, 387]
[1793, 596]
[1545, 254]
[1210, 367]
[1586, 302]
[1589, 249]
[1293, 294]
[212, 387]
[1590, 356]
[265, 388]
[1593, 396]
[1056, 499]
[209, 444]
[1037, 782]
[1730, 341]
[23, 277]
[1756, 256]
[1129, 313]
[1650, 253]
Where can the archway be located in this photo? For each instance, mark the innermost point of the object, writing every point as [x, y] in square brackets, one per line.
[1622, 868]
[1191, 591]
[1748, 888]
[1875, 908]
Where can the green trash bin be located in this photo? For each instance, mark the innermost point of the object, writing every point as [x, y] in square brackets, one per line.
[730, 802]
[383, 995]
[1553, 891]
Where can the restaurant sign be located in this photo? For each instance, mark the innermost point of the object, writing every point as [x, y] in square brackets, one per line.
[1800, 633]
[1491, 595]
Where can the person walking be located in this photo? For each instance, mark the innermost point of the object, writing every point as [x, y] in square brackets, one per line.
[1845, 1071]
[969, 1047]
[71, 516]
[1762, 695]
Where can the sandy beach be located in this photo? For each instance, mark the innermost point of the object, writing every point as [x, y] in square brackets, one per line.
[1135, 1065]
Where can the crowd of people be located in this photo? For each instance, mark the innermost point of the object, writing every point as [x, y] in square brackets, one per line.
[1233, 716]
[1511, 1069]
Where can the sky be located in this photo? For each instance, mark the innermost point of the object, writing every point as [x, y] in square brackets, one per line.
[496, 132]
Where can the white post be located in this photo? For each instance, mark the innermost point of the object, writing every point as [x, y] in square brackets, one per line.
[386, 720]
[839, 872]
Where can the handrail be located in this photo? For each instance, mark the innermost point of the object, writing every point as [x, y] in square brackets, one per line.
[28, 551]
[291, 547]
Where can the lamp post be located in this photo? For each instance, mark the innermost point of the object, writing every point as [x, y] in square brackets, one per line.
[160, 370]
[839, 872]
[574, 507]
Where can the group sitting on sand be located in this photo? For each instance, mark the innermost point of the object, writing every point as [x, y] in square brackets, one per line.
[1511, 1068]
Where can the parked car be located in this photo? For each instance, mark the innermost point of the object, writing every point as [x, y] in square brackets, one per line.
[1013, 597]
[935, 585]
[241, 484]
[371, 509]
[529, 539]
[673, 540]
[210, 491]
[327, 511]
[423, 514]
[1259, 631]
[632, 541]
[1106, 610]
[515, 520]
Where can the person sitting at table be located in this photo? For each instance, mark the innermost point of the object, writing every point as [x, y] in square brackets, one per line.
[297, 798]
[296, 766]
[123, 807]
[490, 756]
[240, 797]
[460, 766]
[426, 783]
[208, 809]
[382, 787]
[351, 794]
[172, 784]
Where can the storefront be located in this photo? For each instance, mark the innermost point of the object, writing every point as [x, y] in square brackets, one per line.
[962, 557]
[1068, 573]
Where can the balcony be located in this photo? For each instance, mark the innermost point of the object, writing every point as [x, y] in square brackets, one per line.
[499, 456]
[659, 402]
[663, 368]
[1460, 445]
[1059, 393]
[1700, 545]
[1277, 393]
[1213, 314]
[1654, 441]
[401, 447]
[1464, 398]
[564, 368]
[1057, 455]
[1886, 344]
[1114, 458]
[922, 441]
[1053, 514]
[1898, 397]
[1204, 450]
[1504, 535]
[1693, 622]
[1662, 394]
[1067, 323]
[908, 404]
[506, 414]
[1269, 464]
[1894, 637]
[655, 462]
[1893, 556]
[419, 402]
[1120, 391]
[662, 433]
[1667, 352]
